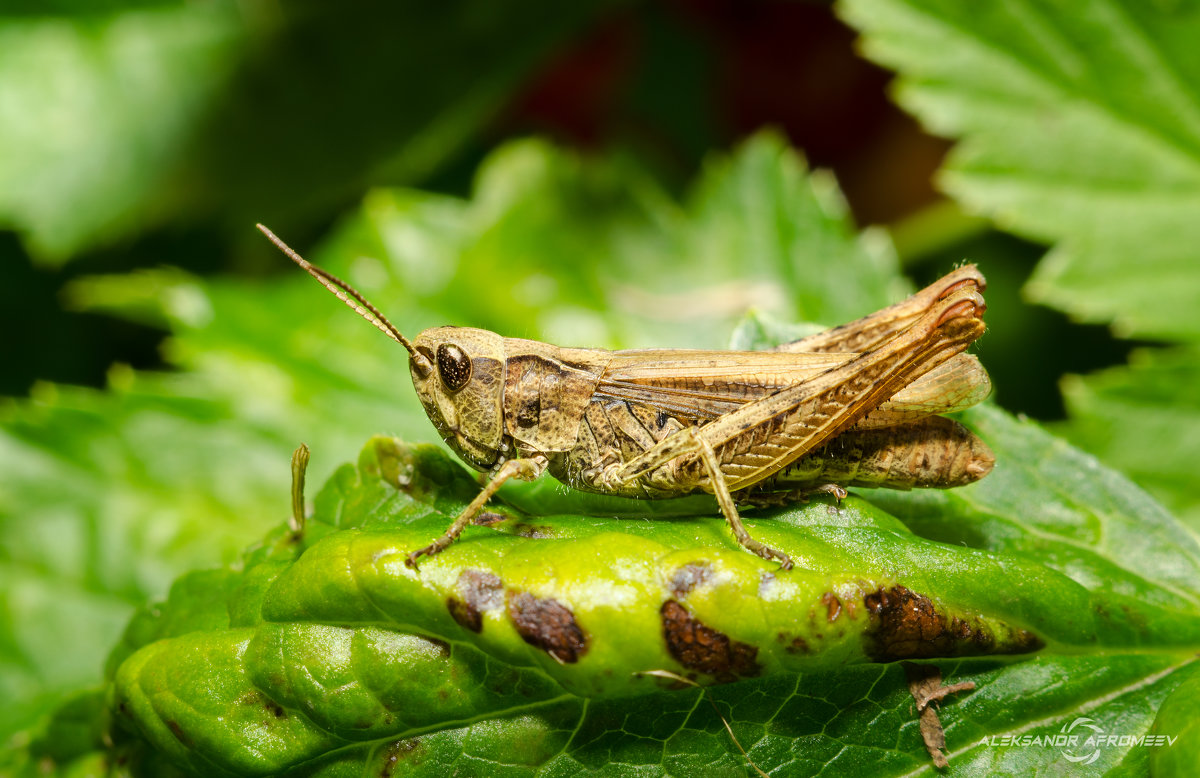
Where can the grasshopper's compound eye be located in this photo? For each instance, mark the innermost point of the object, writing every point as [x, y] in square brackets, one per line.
[454, 366]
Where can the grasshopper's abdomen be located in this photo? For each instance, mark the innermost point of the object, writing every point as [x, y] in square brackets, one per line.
[935, 452]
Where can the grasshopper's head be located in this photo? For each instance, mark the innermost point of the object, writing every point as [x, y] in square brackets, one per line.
[458, 372]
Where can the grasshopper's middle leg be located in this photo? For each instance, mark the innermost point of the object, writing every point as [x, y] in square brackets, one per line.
[686, 444]
[525, 469]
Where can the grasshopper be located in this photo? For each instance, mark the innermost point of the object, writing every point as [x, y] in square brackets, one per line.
[855, 405]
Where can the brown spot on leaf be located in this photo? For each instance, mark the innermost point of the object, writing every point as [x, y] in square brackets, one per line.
[488, 518]
[701, 648]
[689, 577]
[178, 732]
[535, 531]
[257, 698]
[548, 625]
[465, 616]
[907, 625]
[394, 753]
[478, 591]
[834, 605]
[793, 644]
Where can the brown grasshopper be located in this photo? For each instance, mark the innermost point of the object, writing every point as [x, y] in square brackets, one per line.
[854, 405]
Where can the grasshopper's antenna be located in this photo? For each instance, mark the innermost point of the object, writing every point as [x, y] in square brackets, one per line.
[346, 293]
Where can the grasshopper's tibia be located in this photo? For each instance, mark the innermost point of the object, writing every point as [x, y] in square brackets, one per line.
[725, 500]
[525, 469]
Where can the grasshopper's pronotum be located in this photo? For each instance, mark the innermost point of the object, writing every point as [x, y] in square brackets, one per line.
[854, 405]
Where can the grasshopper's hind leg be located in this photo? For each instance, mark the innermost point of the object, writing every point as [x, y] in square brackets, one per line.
[709, 458]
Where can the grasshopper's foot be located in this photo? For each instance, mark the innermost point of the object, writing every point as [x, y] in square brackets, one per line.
[411, 560]
[763, 550]
[838, 492]
[526, 469]
[768, 553]
[432, 549]
[785, 561]
[483, 519]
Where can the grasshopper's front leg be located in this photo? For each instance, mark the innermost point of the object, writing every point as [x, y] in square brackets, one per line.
[753, 443]
[525, 469]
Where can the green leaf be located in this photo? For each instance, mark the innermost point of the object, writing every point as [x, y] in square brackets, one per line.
[1178, 718]
[1089, 523]
[1144, 419]
[595, 253]
[353, 653]
[1078, 125]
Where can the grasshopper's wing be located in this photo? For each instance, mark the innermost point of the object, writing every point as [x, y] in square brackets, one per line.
[870, 331]
[955, 385]
[704, 385]
[760, 438]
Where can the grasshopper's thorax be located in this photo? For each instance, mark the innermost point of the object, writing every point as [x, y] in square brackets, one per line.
[547, 389]
[462, 388]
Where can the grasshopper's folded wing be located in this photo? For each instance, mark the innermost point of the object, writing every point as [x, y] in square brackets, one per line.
[870, 331]
[704, 385]
[955, 385]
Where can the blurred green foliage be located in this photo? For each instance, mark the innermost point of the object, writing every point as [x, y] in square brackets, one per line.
[136, 116]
